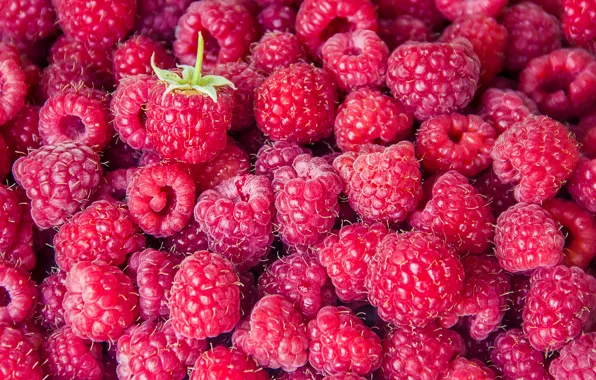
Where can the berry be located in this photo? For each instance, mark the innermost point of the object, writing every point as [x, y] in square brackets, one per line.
[413, 278]
[133, 57]
[276, 50]
[187, 350]
[431, 79]
[498, 195]
[19, 360]
[100, 301]
[226, 363]
[18, 294]
[464, 369]
[51, 294]
[10, 217]
[537, 156]
[65, 75]
[27, 20]
[21, 253]
[576, 359]
[586, 134]
[275, 155]
[303, 373]
[59, 180]
[579, 23]
[298, 87]
[368, 116]
[277, 18]
[345, 376]
[13, 88]
[582, 185]
[554, 7]
[161, 198]
[424, 10]
[454, 9]
[516, 359]
[403, 28]
[504, 108]
[21, 133]
[382, 184]
[114, 185]
[188, 240]
[5, 159]
[205, 297]
[157, 19]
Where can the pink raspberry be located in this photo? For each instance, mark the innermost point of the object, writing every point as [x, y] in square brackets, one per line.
[69, 174]
[582, 185]
[579, 23]
[499, 196]
[237, 218]
[532, 33]
[276, 50]
[208, 280]
[504, 108]
[576, 359]
[21, 133]
[13, 88]
[432, 79]
[51, 294]
[515, 358]
[188, 240]
[303, 373]
[464, 369]
[368, 116]
[10, 217]
[20, 253]
[133, 57]
[161, 198]
[398, 30]
[275, 155]
[560, 306]
[157, 18]
[537, 156]
[18, 294]
[226, 363]
[396, 187]
[18, 358]
[413, 278]
[424, 10]
[277, 18]
[453, 9]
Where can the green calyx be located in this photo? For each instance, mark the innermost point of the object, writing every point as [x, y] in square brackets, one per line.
[191, 78]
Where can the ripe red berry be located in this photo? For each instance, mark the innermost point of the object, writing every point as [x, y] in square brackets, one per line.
[275, 155]
[133, 57]
[27, 21]
[226, 363]
[453, 9]
[579, 23]
[188, 240]
[157, 19]
[462, 369]
[13, 88]
[398, 30]
[498, 195]
[21, 133]
[276, 50]
[424, 10]
[5, 159]
[51, 294]
[504, 108]
[65, 75]
[515, 358]
[576, 359]
[277, 18]
[18, 293]
[18, 358]
[305, 372]
[582, 185]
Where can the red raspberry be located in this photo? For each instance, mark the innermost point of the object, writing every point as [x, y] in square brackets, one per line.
[65, 75]
[21, 133]
[413, 278]
[187, 350]
[532, 33]
[579, 23]
[18, 294]
[226, 363]
[20, 253]
[251, 139]
[397, 185]
[19, 360]
[303, 373]
[298, 87]
[66, 356]
[559, 307]
[562, 83]
[582, 185]
[161, 198]
[10, 217]
[576, 359]
[306, 200]
[149, 158]
[100, 301]
[345, 376]
[498, 195]
[27, 20]
[114, 185]
[98, 24]
[51, 294]
[228, 29]
[237, 218]
[301, 279]
[554, 7]
[133, 57]
[340, 343]
[368, 116]
[537, 155]
[453, 9]
[205, 297]
[503, 108]
[516, 359]
[586, 134]
[276, 50]
[188, 240]
[464, 369]
[275, 155]
[157, 18]
[422, 353]
[277, 18]
[13, 88]
[246, 79]
[347, 255]
[5, 159]
[403, 28]
[432, 79]
[69, 174]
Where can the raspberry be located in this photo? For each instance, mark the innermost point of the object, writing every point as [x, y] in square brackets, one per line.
[205, 297]
[586, 134]
[560, 305]
[504, 108]
[21, 253]
[498, 195]
[561, 83]
[532, 33]
[306, 200]
[226, 363]
[133, 57]
[489, 40]
[582, 185]
[301, 279]
[251, 139]
[161, 198]
[18, 294]
[579, 23]
[13, 88]
[113, 189]
[27, 20]
[99, 24]
[276, 50]
[157, 19]
[368, 116]
[275, 155]
[396, 187]
[340, 343]
[537, 155]
[462, 369]
[413, 278]
[516, 359]
[10, 217]
[419, 353]
[5, 159]
[298, 87]
[453, 9]
[59, 180]
[51, 294]
[188, 240]
[303, 373]
[345, 376]
[424, 10]
[100, 301]
[554, 7]
[246, 79]
[398, 30]
[66, 356]
[65, 75]
[21, 133]
[19, 360]
[228, 29]
[277, 18]
[187, 350]
[576, 360]
[431, 79]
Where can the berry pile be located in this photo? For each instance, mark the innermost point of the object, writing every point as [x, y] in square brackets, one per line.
[297, 189]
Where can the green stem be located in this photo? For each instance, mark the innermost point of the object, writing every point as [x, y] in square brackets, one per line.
[199, 63]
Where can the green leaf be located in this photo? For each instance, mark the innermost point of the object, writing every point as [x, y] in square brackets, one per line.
[164, 75]
[215, 80]
[207, 90]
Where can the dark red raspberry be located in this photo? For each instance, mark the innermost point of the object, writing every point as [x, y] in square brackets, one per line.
[559, 307]
[277, 18]
[228, 29]
[188, 350]
[27, 20]
[398, 30]
[114, 185]
[464, 369]
[306, 200]
[208, 280]
[503, 108]
[579, 23]
[251, 139]
[413, 278]
[133, 57]
[148, 158]
[99, 24]
[422, 353]
[248, 292]
[100, 301]
[161, 198]
[226, 363]
[19, 359]
[582, 185]
[188, 240]
[397, 189]
[586, 134]
[532, 33]
[453, 9]
[65, 75]
[516, 359]
[498, 195]
[537, 156]
[51, 294]
[66, 356]
[5, 159]
[276, 50]
[303, 373]
[576, 359]
[157, 18]
[424, 10]
[21, 133]
[432, 79]
[13, 88]
[20, 253]
[554, 7]
[562, 83]
[10, 217]
[298, 87]
[275, 155]
[59, 180]
[18, 294]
